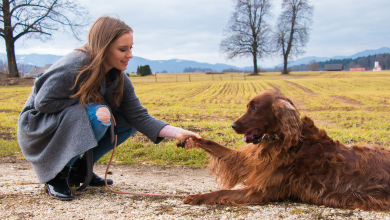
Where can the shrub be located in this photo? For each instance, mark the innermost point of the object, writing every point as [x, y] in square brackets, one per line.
[144, 70]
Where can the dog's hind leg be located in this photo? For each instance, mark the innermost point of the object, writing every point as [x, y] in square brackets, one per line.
[230, 197]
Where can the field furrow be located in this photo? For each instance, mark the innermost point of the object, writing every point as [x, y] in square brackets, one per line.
[302, 87]
[275, 87]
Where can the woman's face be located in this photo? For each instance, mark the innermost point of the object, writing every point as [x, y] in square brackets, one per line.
[119, 53]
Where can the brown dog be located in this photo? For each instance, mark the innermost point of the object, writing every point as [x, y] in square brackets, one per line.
[289, 158]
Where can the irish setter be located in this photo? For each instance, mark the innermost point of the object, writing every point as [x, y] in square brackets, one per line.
[289, 158]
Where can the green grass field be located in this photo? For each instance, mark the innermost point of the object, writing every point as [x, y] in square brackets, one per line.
[351, 106]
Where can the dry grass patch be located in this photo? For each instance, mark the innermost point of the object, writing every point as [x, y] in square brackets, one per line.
[350, 106]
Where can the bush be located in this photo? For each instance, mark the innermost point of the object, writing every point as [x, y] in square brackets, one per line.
[144, 70]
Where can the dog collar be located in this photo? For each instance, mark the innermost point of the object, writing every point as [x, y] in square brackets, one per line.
[267, 138]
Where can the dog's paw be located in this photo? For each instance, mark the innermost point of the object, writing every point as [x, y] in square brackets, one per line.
[182, 142]
[194, 199]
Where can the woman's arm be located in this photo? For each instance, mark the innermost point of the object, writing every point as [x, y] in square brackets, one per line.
[137, 115]
[53, 95]
[52, 89]
[179, 133]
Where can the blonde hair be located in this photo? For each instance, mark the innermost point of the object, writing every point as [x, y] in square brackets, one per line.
[102, 33]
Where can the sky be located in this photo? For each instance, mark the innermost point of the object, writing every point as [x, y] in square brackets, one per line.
[193, 29]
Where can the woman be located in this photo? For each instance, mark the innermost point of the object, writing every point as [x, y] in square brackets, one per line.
[70, 108]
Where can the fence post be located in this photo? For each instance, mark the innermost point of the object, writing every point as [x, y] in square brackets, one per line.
[232, 77]
[155, 76]
[212, 75]
[220, 78]
[189, 78]
[244, 77]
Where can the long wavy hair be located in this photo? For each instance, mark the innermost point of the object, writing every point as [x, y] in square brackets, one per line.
[102, 33]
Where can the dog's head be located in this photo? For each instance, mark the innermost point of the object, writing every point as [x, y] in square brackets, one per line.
[273, 114]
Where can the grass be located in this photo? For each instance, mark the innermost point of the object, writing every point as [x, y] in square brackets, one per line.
[351, 106]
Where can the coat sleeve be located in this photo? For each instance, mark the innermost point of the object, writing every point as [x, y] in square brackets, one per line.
[53, 88]
[138, 115]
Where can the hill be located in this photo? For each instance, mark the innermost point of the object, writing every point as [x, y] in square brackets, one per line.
[171, 66]
[367, 62]
[307, 60]
[178, 65]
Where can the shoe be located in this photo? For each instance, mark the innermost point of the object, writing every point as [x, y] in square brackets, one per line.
[98, 181]
[78, 172]
[58, 187]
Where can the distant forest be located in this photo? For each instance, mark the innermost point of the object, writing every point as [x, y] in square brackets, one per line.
[193, 70]
[361, 62]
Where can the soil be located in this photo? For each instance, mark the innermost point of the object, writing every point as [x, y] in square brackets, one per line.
[28, 80]
[21, 197]
[5, 134]
[348, 100]
[309, 91]
[276, 88]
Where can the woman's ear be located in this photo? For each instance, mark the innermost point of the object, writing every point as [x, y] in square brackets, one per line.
[289, 121]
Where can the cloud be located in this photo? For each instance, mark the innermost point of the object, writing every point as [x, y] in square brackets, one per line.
[347, 27]
[192, 30]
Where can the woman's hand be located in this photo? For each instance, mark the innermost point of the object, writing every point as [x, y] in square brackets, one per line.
[190, 143]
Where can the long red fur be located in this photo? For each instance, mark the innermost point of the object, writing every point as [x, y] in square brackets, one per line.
[304, 165]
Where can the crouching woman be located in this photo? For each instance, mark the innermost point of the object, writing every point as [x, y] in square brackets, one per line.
[72, 104]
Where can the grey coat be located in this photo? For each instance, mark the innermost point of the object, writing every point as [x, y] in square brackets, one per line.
[53, 128]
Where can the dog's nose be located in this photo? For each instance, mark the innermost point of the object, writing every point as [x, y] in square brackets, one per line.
[234, 126]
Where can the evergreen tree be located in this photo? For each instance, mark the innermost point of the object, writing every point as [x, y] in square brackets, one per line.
[144, 70]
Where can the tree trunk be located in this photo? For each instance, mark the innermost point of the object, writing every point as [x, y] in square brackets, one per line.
[9, 41]
[290, 40]
[12, 67]
[285, 70]
[255, 71]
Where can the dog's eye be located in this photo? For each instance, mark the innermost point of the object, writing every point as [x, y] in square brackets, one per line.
[254, 108]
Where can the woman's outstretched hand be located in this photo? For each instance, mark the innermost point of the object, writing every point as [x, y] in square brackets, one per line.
[190, 143]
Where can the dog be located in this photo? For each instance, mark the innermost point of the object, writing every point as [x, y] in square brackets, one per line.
[289, 159]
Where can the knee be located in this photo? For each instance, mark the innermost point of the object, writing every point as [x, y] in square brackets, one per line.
[103, 114]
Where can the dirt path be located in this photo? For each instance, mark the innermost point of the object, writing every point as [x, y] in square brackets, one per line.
[21, 200]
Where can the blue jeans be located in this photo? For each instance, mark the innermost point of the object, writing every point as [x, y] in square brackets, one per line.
[100, 130]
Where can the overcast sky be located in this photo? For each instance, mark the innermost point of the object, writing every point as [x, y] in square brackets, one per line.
[193, 29]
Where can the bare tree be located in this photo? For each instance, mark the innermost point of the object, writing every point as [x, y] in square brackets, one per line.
[37, 19]
[22, 67]
[292, 32]
[248, 30]
[313, 66]
[352, 65]
[3, 67]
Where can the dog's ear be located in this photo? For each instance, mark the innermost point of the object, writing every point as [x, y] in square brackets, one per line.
[289, 121]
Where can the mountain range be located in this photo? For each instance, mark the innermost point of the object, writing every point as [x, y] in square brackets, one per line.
[178, 65]
[307, 60]
[170, 66]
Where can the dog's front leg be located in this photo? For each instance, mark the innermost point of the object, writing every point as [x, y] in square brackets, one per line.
[230, 197]
[211, 147]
